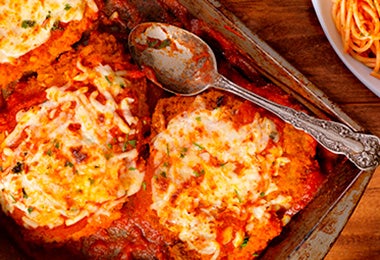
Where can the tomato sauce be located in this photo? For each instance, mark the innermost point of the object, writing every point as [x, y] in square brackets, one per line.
[134, 231]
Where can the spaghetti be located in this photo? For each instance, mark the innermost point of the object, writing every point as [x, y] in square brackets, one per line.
[359, 25]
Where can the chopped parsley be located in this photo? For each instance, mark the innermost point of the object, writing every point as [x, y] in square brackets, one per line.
[108, 79]
[108, 155]
[28, 24]
[124, 148]
[199, 173]
[24, 194]
[143, 185]
[69, 164]
[48, 16]
[222, 164]
[56, 26]
[74, 209]
[164, 43]
[13, 198]
[18, 168]
[154, 43]
[183, 152]
[238, 195]
[200, 147]
[67, 7]
[30, 209]
[56, 143]
[49, 152]
[132, 143]
[245, 242]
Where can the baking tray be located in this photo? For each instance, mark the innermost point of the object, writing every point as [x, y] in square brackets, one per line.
[312, 231]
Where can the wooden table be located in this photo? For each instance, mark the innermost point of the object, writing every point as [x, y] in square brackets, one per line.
[292, 29]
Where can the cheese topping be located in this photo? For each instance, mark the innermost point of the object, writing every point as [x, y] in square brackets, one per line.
[208, 171]
[25, 25]
[72, 156]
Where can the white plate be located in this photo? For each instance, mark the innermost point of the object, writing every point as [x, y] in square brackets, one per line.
[362, 72]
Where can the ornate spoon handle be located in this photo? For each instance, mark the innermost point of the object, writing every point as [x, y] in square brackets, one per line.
[362, 149]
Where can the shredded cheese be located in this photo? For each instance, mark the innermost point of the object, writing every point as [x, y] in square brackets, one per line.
[25, 25]
[63, 161]
[207, 169]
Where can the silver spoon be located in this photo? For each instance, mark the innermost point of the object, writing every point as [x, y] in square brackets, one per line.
[184, 64]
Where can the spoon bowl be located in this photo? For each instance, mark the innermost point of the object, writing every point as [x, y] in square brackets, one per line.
[182, 63]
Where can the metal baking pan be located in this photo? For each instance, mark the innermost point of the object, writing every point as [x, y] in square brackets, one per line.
[312, 231]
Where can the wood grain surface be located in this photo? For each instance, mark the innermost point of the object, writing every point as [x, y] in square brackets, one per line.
[291, 28]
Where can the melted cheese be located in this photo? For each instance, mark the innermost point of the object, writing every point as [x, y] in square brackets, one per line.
[25, 25]
[206, 170]
[70, 157]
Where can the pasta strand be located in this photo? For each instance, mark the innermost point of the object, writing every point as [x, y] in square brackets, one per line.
[358, 22]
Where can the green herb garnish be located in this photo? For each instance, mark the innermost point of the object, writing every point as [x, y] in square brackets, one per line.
[200, 147]
[91, 180]
[108, 79]
[199, 173]
[183, 152]
[28, 24]
[18, 168]
[132, 143]
[245, 242]
[164, 43]
[238, 195]
[30, 209]
[24, 194]
[56, 26]
[143, 185]
[69, 164]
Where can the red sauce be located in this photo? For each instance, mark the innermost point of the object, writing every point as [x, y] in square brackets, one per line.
[137, 233]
